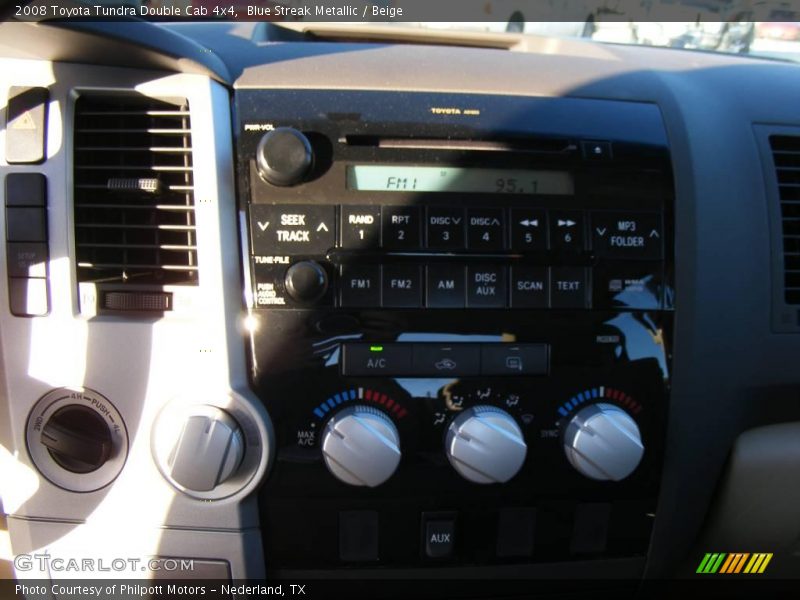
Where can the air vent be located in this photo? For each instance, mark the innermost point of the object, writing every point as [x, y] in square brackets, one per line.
[786, 156]
[134, 198]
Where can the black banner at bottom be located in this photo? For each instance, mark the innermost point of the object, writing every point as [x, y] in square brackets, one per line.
[313, 589]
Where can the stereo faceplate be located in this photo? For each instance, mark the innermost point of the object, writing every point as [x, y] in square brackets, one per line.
[468, 327]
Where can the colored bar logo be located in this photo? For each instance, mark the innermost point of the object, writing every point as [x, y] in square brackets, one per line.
[734, 563]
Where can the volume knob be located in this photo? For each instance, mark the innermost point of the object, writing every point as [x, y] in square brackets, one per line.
[603, 442]
[284, 156]
[361, 446]
[485, 445]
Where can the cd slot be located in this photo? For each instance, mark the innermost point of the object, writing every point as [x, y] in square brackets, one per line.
[538, 146]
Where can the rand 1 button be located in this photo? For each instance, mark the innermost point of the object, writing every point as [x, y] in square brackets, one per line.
[566, 230]
[361, 227]
[402, 286]
[445, 228]
[401, 227]
[514, 359]
[530, 287]
[445, 360]
[485, 229]
[360, 360]
[528, 229]
[292, 229]
[486, 287]
[630, 235]
[360, 286]
[446, 286]
[569, 287]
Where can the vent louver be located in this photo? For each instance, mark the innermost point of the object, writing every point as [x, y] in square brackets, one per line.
[134, 199]
[786, 156]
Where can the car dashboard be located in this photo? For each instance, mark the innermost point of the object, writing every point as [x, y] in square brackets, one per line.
[324, 308]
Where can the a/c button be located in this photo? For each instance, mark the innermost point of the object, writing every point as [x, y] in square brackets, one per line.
[376, 359]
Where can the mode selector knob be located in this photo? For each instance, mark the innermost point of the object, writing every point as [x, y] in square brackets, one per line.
[603, 442]
[485, 445]
[361, 446]
[284, 156]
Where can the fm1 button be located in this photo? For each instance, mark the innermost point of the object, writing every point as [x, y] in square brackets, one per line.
[361, 227]
[360, 286]
[439, 537]
[566, 230]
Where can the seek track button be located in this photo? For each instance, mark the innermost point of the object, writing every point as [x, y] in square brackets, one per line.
[292, 229]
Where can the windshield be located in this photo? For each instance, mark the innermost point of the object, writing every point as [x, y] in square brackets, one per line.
[763, 28]
[773, 39]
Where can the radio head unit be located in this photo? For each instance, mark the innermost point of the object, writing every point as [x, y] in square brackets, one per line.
[460, 320]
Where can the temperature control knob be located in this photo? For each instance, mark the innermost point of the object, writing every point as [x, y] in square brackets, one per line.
[485, 445]
[603, 442]
[361, 446]
[284, 156]
[207, 451]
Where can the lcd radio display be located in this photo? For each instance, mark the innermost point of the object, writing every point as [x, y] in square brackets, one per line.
[397, 178]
